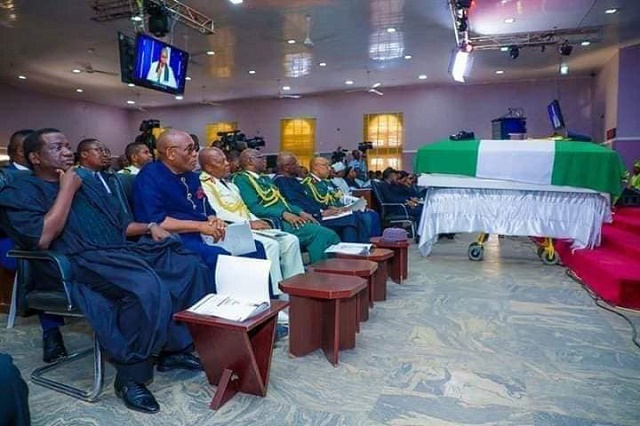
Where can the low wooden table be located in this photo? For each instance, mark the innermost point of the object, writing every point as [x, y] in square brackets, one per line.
[359, 268]
[399, 263]
[236, 356]
[323, 313]
[380, 256]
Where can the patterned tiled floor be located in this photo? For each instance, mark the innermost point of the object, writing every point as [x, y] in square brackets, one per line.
[504, 341]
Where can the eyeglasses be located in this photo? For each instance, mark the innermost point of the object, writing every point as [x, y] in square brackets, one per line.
[188, 150]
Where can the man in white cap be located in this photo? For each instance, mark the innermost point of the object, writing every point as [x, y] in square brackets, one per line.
[338, 170]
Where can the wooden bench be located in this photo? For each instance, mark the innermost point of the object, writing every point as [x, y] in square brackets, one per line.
[381, 257]
[399, 263]
[322, 313]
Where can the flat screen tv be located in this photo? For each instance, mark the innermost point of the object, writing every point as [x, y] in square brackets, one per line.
[127, 49]
[160, 66]
[555, 116]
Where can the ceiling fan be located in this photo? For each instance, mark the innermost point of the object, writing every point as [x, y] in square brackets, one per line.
[307, 41]
[88, 68]
[375, 88]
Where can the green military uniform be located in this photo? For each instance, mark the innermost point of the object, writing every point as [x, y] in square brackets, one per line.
[264, 200]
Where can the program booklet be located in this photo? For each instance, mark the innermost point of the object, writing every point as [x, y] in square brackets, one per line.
[227, 307]
[350, 248]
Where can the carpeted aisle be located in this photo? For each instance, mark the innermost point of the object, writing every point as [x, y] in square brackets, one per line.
[612, 270]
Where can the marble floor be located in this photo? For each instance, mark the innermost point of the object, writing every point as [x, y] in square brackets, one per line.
[506, 341]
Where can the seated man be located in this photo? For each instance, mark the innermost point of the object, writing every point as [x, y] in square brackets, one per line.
[295, 193]
[264, 200]
[339, 177]
[392, 192]
[283, 250]
[323, 191]
[127, 291]
[138, 155]
[169, 193]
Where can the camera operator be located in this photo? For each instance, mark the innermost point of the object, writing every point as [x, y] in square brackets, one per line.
[147, 137]
[338, 155]
[359, 162]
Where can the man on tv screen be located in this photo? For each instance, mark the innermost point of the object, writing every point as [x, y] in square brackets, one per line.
[160, 71]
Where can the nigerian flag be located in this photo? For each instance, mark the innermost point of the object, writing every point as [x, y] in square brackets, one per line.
[545, 162]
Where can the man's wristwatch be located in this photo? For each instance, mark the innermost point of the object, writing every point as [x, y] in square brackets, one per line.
[151, 225]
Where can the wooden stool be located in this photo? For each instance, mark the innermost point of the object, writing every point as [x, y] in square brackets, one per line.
[359, 268]
[380, 256]
[399, 263]
[236, 356]
[322, 313]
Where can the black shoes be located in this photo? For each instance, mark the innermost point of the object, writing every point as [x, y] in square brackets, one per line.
[53, 346]
[137, 397]
[181, 361]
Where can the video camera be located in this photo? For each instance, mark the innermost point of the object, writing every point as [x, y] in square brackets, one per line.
[146, 137]
[237, 141]
[365, 146]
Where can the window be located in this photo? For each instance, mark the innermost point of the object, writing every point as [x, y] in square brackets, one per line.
[298, 136]
[386, 131]
[211, 132]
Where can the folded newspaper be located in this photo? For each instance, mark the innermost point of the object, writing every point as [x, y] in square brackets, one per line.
[227, 307]
[354, 204]
[350, 248]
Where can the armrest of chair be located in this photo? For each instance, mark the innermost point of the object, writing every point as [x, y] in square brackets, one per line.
[404, 207]
[60, 260]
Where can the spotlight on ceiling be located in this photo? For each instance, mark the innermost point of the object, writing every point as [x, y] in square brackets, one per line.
[463, 24]
[463, 4]
[514, 52]
[158, 19]
[565, 49]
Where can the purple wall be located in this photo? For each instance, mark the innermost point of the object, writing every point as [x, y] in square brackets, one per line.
[77, 120]
[629, 93]
[605, 98]
[430, 112]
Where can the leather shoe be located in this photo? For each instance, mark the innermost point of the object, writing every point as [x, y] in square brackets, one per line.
[137, 397]
[53, 346]
[182, 361]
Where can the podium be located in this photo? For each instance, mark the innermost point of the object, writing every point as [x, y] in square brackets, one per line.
[236, 356]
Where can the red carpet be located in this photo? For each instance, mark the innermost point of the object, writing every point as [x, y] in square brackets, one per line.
[612, 270]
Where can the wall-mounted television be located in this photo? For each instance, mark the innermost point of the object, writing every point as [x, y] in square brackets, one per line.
[159, 65]
[555, 116]
[127, 49]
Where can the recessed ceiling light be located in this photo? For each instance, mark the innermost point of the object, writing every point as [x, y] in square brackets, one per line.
[509, 20]
[187, 78]
[408, 56]
[499, 72]
[611, 11]
[179, 97]
[585, 43]
[291, 41]
[235, 1]
[210, 52]
[79, 90]
[22, 77]
[252, 72]
[136, 18]
[422, 76]
[564, 69]
[76, 71]
[322, 64]
[504, 49]
[391, 30]
[348, 82]
[285, 88]
[130, 102]
[131, 85]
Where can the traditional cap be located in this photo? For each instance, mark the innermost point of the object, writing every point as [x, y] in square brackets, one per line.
[338, 167]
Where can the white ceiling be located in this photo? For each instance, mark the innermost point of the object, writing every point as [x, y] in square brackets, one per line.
[45, 40]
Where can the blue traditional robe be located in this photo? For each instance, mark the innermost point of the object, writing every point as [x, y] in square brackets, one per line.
[159, 193]
[127, 291]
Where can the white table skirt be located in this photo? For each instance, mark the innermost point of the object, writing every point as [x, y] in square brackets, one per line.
[567, 215]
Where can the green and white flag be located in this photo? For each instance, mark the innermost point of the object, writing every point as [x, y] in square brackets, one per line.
[545, 162]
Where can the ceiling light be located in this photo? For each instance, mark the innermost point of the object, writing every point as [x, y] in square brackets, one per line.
[460, 62]
[235, 1]
[187, 78]
[22, 77]
[391, 30]
[252, 72]
[79, 90]
[499, 72]
[408, 56]
[585, 43]
[210, 52]
[564, 69]
[611, 11]
[136, 18]
[130, 102]
[291, 41]
[76, 71]
[131, 85]
[179, 97]
[322, 64]
[286, 88]
[348, 82]
[422, 77]
[509, 21]
[504, 49]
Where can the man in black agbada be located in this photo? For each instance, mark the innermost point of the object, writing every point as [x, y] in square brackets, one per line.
[127, 291]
